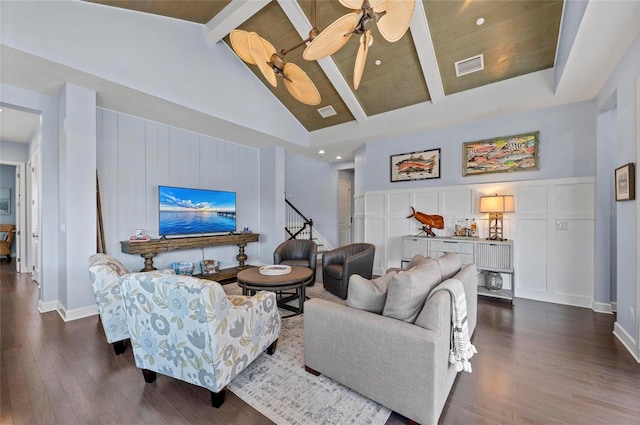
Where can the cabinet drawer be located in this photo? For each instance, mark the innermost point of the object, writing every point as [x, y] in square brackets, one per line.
[414, 245]
[451, 246]
[494, 256]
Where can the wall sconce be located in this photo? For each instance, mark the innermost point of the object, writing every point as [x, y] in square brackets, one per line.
[496, 205]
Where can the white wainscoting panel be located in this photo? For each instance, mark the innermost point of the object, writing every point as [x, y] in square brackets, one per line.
[574, 198]
[531, 199]
[457, 201]
[427, 202]
[550, 265]
[531, 256]
[571, 263]
[397, 229]
[374, 205]
[398, 203]
[375, 234]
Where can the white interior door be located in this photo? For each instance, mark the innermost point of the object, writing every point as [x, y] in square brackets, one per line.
[34, 173]
[344, 212]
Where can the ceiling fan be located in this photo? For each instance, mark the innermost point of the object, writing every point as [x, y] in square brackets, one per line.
[255, 50]
[391, 16]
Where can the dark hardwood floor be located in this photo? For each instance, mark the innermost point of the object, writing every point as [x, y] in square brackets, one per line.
[537, 363]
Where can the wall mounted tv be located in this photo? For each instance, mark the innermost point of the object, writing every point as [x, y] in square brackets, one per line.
[186, 211]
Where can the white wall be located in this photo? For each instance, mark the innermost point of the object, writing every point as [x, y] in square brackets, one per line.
[621, 90]
[14, 152]
[567, 148]
[46, 143]
[272, 206]
[550, 265]
[136, 155]
[312, 186]
[77, 200]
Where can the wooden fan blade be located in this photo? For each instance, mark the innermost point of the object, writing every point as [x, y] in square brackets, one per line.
[301, 87]
[357, 4]
[361, 59]
[332, 38]
[240, 44]
[261, 50]
[396, 21]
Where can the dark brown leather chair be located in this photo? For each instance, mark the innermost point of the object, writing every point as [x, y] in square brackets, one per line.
[298, 252]
[340, 263]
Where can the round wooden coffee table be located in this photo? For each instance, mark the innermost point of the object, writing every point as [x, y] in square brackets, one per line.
[251, 281]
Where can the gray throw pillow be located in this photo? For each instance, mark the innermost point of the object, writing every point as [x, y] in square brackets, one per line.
[368, 295]
[449, 264]
[408, 290]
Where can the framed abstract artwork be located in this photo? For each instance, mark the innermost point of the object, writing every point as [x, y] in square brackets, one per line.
[625, 180]
[415, 165]
[501, 154]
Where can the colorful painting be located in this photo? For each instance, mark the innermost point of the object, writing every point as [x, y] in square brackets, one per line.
[502, 154]
[415, 165]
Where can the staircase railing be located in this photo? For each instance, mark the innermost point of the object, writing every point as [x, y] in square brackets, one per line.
[297, 225]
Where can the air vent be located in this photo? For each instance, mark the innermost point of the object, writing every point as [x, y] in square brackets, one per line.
[327, 111]
[469, 65]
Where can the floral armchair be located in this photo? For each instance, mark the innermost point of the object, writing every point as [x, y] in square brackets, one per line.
[187, 328]
[105, 272]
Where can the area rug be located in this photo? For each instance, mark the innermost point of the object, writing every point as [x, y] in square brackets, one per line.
[279, 388]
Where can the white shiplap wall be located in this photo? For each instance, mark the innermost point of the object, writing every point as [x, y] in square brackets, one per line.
[136, 155]
[550, 265]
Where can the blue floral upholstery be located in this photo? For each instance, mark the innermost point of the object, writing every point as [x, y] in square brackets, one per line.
[188, 328]
[105, 272]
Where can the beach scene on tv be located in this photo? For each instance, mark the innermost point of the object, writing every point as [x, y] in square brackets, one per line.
[196, 211]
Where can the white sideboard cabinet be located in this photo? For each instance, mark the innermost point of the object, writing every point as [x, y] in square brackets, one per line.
[488, 255]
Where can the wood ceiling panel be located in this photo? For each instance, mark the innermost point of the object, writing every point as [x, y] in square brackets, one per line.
[518, 37]
[195, 11]
[272, 24]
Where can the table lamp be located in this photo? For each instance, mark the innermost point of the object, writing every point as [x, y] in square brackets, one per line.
[496, 206]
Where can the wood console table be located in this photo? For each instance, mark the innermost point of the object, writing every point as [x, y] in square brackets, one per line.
[150, 249]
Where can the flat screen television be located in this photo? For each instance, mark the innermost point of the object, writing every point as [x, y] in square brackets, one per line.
[186, 211]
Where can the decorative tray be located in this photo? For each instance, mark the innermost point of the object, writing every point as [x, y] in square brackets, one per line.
[275, 270]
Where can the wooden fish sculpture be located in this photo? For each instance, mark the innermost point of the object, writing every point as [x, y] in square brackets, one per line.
[428, 221]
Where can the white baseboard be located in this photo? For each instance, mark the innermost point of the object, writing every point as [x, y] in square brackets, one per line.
[614, 306]
[556, 298]
[627, 340]
[45, 307]
[78, 313]
[599, 307]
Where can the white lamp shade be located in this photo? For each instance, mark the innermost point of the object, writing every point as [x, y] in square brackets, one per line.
[497, 204]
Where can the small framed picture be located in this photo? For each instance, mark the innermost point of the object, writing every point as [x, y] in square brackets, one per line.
[5, 201]
[625, 180]
[415, 165]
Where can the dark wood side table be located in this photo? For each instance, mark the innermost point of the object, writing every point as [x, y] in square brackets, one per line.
[251, 281]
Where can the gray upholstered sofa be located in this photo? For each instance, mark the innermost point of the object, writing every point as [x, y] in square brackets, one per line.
[399, 362]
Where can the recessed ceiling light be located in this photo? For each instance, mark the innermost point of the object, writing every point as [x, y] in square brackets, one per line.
[338, 157]
[480, 21]
[378, 62]
[320, 152]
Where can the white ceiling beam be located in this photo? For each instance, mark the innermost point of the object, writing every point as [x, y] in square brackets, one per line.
[231, 17]
[300, 22]
[426, 52]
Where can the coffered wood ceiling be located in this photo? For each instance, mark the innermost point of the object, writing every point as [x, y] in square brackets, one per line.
[517, 38]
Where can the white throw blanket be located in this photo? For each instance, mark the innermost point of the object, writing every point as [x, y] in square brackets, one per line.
[461, 348]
